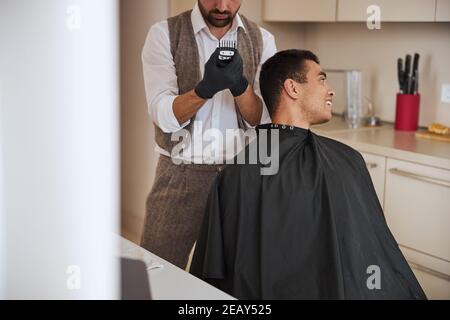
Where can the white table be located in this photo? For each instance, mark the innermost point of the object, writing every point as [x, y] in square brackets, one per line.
[170, 282]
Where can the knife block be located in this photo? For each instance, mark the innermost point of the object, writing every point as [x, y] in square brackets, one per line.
[407, 112]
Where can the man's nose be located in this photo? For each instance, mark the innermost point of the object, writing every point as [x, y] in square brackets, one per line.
[332, 93]
[222, 5]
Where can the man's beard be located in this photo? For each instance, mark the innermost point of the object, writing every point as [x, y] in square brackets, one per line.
[208, 16]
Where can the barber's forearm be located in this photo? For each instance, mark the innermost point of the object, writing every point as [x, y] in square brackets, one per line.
[250, 106]
[185, 106]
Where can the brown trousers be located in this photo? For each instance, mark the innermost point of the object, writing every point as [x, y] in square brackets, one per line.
[175, 208]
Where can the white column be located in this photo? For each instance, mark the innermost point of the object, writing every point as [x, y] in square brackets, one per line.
[59, 90]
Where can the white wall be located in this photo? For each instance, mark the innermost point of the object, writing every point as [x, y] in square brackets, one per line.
[375, 52]
[59, 130]
[287, 35]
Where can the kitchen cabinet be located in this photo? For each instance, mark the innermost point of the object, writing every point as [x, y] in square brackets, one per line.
[420, 196]
[377, 166]
[432, 273]
[391, 10]
[299, 10]
[417, 210]
[355, 10]
[435, 287]
[443, 10]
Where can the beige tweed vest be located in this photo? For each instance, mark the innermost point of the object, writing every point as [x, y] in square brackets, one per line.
[186, 58]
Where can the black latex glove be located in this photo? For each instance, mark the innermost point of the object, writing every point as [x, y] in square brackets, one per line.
[241, 84]
[219, 76]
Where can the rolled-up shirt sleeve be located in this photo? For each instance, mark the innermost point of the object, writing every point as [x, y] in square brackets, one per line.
[269, 49]
[161, 86]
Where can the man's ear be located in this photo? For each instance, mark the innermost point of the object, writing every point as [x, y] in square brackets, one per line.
[292, 88]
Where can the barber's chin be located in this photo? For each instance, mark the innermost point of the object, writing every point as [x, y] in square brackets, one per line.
[220, 23]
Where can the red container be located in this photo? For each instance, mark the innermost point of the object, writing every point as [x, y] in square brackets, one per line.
[407, 112]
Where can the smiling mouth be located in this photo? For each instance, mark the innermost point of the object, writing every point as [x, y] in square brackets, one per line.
[329, 103]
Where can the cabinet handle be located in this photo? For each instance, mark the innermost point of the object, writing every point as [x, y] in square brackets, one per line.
[371, 165]
[430, 271]
[437, 181]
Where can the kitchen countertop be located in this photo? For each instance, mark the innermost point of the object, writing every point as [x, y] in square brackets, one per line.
[386, 141]
[337, 124]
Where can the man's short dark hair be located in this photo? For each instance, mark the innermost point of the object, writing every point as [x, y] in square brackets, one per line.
[287, 64]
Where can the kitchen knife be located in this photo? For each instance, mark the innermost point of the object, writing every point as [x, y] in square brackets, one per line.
[407, 75]
[416, 83]
[415, 75]
[400, 73]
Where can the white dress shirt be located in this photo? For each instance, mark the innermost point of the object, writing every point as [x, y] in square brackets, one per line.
[217, 113]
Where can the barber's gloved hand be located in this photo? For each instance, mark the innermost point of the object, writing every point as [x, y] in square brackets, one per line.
[241, 83]
[219, 76]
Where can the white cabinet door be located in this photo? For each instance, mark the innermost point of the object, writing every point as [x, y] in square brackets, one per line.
[417, 210]
[299, 10]
[434, 287]
[432, 273]
[417, 207]
[443, 10]
[377, 168]
[391, 10]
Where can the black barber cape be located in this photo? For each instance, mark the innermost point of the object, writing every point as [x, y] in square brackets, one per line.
[314, 230]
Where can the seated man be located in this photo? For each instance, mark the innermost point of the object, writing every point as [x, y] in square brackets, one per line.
[313, 230]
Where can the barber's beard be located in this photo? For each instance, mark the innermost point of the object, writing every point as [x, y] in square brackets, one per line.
[209, 17]
[219, 23]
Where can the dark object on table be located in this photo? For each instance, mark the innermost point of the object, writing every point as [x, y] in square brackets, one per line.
[135, 284]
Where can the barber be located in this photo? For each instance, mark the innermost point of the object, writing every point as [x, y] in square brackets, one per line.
[187, 89]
